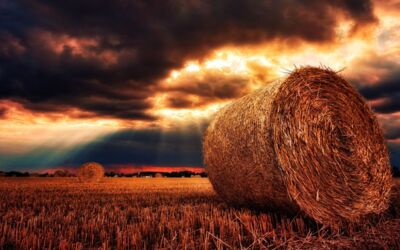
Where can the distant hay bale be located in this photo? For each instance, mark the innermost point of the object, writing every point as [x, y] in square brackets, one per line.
[158, 175]
[90, 172]
[61, 173]
[309, 142]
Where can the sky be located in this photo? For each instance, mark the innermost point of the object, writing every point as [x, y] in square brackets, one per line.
[135, 83]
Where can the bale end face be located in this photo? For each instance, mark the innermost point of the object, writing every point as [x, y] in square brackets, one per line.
[330, 147]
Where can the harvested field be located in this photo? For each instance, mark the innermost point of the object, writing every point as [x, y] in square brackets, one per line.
[168, 213]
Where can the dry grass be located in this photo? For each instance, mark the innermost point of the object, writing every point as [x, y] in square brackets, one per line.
[309, 142]
[61, 213]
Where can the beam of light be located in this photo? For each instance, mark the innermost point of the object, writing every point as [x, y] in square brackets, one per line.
[170, 118]
[24, 132]
[181, 142]
[22, 137]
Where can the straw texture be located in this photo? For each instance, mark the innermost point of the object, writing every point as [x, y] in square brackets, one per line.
[307, 143]
[90, 172]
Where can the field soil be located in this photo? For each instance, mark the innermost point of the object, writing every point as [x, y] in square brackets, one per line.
[167, 213]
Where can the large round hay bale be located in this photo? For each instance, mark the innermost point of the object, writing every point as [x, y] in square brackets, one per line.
[90, 172]
[309, 142]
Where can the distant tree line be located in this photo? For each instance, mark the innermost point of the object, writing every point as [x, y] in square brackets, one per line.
[146, 174]
[157, 174]
[14, 174]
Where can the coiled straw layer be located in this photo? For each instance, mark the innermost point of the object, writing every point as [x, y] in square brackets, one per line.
[309, 142]
[90, 172]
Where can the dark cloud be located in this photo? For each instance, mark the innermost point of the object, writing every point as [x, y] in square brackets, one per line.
[384, 96]
[181, 101]
[393, 133]
[214, 87]
[206, 89]
[388, 90]
[389, 105]
[64, 54]
[390, 124]
[3, 112]
[384, 88]
[394, 149]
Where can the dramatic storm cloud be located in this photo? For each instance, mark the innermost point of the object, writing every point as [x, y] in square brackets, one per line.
[106, 57]
[388, 91]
